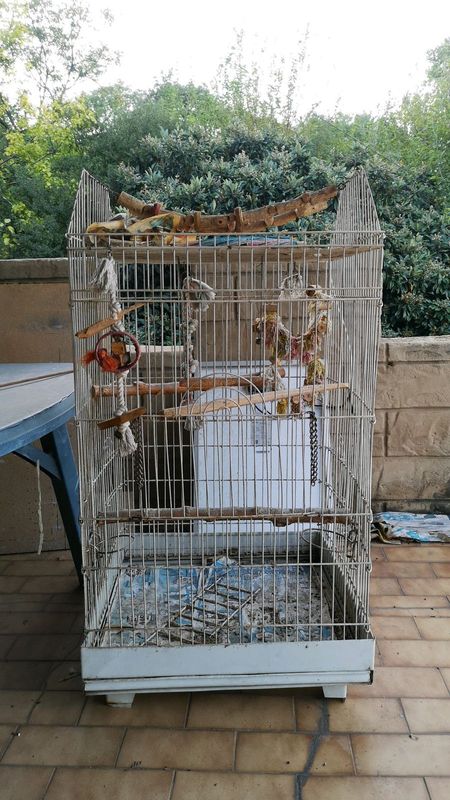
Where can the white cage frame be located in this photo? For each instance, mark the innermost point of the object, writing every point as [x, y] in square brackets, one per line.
[130, 532]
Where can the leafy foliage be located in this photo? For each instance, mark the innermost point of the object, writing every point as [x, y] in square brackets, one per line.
[46, 44]
[191, 148]
[215, 172]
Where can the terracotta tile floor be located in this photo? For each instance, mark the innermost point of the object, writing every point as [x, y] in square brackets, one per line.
[388, 740]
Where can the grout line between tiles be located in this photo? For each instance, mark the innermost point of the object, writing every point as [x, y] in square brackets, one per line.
[8, 650]
[83, 706]
[235, 743]
[93, 768]
[172, 785]
[50, 780]
[427, 789]
[417, 627]
[447, 685]
[15, 732]
[400, 700]
[125, 731]
[188, 709]
[294, 713]
[36, 703]
[355, 772]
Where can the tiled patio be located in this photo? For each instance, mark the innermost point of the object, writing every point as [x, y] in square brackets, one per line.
[388, 740]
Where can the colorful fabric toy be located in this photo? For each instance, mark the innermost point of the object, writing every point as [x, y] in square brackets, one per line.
[308, 347]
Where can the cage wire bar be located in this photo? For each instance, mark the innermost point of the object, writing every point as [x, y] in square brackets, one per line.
[231, 549]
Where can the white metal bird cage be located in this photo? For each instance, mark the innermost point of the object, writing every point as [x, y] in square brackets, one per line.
[230, 549]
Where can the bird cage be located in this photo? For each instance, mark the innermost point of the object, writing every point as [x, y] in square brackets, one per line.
[225, 388]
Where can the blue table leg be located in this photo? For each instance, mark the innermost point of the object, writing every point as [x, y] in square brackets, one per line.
[57, 445]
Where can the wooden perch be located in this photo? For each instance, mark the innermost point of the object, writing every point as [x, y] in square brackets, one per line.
[128, 416]
[260, 219]
[137, 207]
[279, 517]
[100, 326]
[255, 220]
[198, 409]
[192, 385]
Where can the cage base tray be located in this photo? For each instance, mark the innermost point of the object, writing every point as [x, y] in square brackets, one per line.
[223, 603]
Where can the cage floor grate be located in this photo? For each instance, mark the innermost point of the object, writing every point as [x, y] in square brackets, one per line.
[223, 603]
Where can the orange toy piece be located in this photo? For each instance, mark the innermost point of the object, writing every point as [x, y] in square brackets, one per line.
[119, 359]
[108, 362]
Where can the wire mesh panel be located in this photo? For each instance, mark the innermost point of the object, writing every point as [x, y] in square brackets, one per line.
[232, 506]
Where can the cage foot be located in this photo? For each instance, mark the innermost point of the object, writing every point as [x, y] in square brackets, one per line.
[120, 699]
[335, 691]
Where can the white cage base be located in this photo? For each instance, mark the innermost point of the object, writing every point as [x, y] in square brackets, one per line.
[120, 673]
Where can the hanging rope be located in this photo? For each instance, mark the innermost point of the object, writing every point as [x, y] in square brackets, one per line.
[104, 280]
[197, 296]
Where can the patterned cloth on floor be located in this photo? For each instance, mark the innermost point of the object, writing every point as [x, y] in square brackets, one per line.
[398, 526]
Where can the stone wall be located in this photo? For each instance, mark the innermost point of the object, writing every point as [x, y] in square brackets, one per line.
[35, 327]
[411, 465]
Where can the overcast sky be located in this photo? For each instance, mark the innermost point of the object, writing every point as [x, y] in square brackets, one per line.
[360, 55]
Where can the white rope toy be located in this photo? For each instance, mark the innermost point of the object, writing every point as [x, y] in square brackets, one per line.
[104, 280]
[198, 296]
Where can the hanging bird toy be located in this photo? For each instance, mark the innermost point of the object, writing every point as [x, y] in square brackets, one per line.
[285, 346]
[118, 357]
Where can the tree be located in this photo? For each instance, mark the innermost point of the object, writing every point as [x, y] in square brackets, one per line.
[41, 166]
[45, 46]
[254, 94]
[124, 119]
[42, 50]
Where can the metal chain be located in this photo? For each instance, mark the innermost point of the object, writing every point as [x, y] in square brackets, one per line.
[314, 445]
[138, 455]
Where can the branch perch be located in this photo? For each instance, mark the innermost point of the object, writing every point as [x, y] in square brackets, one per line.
[191, 385]
[153, 221]
[198, 409]
[260, 219]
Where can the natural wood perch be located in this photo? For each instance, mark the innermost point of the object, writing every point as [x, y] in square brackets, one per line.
[100, 326]
[278, 516]
[192, 385]
[260, 219]
[137, 207]
[128, 416]
[255, 220]
[198, 409]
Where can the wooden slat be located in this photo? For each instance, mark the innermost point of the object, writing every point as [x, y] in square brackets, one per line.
[279, 517]
[128, 416]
